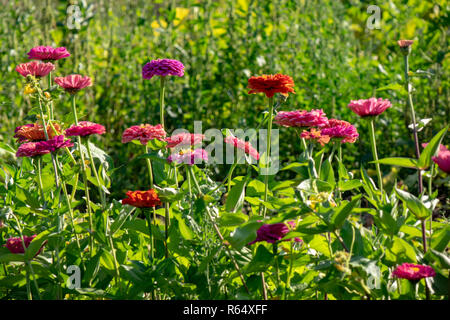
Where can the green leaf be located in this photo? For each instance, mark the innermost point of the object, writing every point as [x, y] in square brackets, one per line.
[235, 199]
[36, 244]
[416, 206]
[440, 239]
[12, 257]
[431, 149]
[341, 213]
[261, 261]
[7, 147]
[401, 162]
[232, 219]
[244, 234]
[349, 185]
[183, 229]
[156, 144]
[327, 173]
[395, 87]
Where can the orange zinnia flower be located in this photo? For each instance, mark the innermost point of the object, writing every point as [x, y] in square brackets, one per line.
[271, 84]
[315, 135]
[142, 199]
[35, 132]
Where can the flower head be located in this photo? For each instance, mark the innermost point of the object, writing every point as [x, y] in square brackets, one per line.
[405, 43]
[245, 146]
[272, 233]
[53, 144]
[183, 139]
[369, 107]
[142, 199]
[30, 149]
[341, 130]
[413, 272]
[442, 159]
[144, 133]
[315, 135]
[189, 156]
[271, 84]
[163, 67]
[15, 245]
[73, 83]
[301, 118]
[35, 132]
[35, 68]
[85, 128]
[48, 53]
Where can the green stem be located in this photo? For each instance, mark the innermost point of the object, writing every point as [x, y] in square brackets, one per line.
[149, 225]
[149, 167]
[267, 164]
[161, 100]
[374, 153]
[100, 189]
[291, 263]
[167, 225]
[49, 81]
[41, 185]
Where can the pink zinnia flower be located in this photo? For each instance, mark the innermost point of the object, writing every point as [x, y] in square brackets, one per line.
[48, 53]
[413, 272]
[315, 135]
[163, 67]
[85, 128]
[183, 139]
[369, 107]
[405, 43]
[245, 146]
[15, 245]
[189, 157]
[35, 68]
[73, 83]
[442, 159]
[30, 149]
[53, 144]
[144, 133]
[272, 233]
[301, 118]
[340, 129]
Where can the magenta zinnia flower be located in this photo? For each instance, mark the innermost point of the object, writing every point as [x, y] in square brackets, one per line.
[301, 118]
[163, 67]
[48, 53]
[442, 159]
[272, 233]
[15, 245]
[189, 157]
[85, 128]
[183, 139]
[341, 130]
[245, 146]
[30, 149]
[144, 133]
[369, 107]
[35, 68]
[53, 144]
[413, 272]
[73, 83]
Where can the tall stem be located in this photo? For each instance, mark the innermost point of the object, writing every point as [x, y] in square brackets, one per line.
[161, 100]
[267, 164]
[375, 154]
[49, 81]
[166, 226]
[149, 168]
[41, 185]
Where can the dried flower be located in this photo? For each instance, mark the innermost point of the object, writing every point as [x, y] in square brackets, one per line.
[35, 132]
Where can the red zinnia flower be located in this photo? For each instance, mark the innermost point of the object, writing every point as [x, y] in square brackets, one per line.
[413, 272]
[15, 245]
[35, 68]
[369, 107]
[272, 233]
[183, 139]
[48, 53]
[142, 199]
[85, 128]
[245, 146]
[73, 83]
[271, 84]
[144, 133]
[301, 118]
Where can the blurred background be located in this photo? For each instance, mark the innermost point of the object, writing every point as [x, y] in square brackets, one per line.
[335, 51]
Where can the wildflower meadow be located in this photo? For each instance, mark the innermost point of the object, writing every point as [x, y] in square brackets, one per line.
[224, 150]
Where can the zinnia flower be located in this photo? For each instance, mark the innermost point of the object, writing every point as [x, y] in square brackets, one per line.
[183, 139]
[341, 130]
[272, 233]
[413, 272]
[315, 135]
[163, 67]
[271, 84]
[245, 146]
[15, 245]
[301, 118]
[85, 128]
[30, 149]
[442, 159]
[143, 133]
[73, 83]
[48, 53]
[53, 144]
[405, 43]
[35, 68]
[35, 132]
[188, 156]
[369, 107]
[142, 199]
